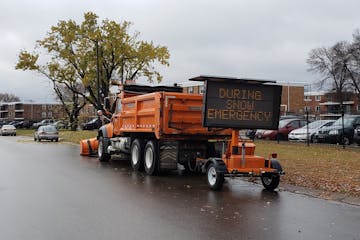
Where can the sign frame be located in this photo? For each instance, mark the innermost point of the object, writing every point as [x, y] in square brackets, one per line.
[271, 92]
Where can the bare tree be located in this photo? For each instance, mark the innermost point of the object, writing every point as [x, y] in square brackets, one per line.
[332, 64]
[354, 66]
[7, 97]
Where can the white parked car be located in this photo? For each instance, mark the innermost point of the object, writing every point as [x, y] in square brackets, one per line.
[47, 132]
[8, 130]
[301, 134]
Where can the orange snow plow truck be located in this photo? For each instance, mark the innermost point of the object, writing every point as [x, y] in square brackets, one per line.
[162, 128]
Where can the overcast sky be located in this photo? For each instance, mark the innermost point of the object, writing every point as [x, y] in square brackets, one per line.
[266, 39]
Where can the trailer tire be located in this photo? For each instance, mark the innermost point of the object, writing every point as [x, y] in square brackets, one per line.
[151, 159]
[270, 181]
[137, 155]
[214, 179]
[102, 148]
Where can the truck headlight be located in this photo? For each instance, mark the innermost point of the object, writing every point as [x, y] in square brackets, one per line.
[334, 132]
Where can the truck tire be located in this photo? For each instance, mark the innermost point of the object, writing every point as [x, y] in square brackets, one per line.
[102, 150]
[214, 179]
[151, 159]
[270, 181]
[137, 155]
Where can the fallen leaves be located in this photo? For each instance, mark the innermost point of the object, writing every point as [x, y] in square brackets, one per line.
[322, 167]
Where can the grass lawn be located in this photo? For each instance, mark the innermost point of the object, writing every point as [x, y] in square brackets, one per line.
[65, 135]
[324, 167]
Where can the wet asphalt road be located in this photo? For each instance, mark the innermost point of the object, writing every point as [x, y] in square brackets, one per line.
[48, 191]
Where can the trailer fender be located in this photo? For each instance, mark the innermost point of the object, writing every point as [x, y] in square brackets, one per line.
[219, 165]
[276, 165]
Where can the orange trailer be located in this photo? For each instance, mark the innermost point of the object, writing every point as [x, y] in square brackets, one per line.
[162, 128]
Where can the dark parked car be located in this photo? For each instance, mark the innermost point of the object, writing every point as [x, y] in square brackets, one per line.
[60, 125]
[335, 133]
[357, 135]
[18, 124]
[285, 126]
[43, 123]
[48, 132]
[92, 124]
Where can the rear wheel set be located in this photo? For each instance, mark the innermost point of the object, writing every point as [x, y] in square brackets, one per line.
[145, 156]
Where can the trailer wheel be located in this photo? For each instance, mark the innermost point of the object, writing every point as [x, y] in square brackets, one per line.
[137, 155]
[270, 181]
[151, 160]
[215, 179]
[102, 147]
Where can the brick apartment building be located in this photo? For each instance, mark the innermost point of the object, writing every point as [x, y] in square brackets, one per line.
[324, 105]
[30, 111]
[87, 113]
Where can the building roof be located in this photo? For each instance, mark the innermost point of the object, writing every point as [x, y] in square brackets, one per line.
[30, 102]
[318, 93]
[233, 79]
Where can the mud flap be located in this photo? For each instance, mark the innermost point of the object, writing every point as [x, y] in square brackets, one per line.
[168, 154]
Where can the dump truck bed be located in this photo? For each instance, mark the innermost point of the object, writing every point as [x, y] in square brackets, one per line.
[166, 114]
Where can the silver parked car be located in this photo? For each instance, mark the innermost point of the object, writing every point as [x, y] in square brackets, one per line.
[8, 130]
[47, 132]
[301, 134]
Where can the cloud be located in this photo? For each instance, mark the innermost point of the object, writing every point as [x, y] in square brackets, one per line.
[250, 38]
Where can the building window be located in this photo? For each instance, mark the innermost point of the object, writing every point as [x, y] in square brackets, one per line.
[202, 89]
[307, 108]
[49, 114]
[43, 107]
[307, 98]
[358, 107]
[318, 98]
[347, 109]
[191, 90]
[317, 108]
[49, 107]
[43, 114]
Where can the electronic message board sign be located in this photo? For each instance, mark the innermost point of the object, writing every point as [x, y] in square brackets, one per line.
[241, 104]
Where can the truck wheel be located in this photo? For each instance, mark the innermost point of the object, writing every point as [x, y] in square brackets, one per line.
[270, 181]
[102, 148]
[151, 160]
[137, 155]
[215, 180]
